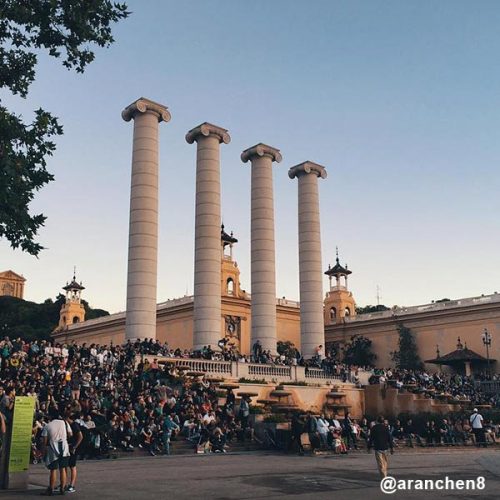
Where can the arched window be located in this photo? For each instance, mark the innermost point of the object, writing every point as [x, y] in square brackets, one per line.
[230, 286]
[64, 319]
[333, 313]
[347, 311]
[76, 319]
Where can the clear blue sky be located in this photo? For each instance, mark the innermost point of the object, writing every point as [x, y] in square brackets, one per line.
[399, 100]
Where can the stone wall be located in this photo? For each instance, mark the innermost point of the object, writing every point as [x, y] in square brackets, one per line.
[390, 402]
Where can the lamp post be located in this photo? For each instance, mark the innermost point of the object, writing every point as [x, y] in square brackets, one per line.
[487, 343]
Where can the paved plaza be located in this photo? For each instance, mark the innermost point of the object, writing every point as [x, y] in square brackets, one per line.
[259, 475]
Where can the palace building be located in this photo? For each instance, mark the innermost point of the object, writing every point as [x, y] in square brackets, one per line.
[220, 308]
[174, 318]
[461, 335]
[12, 284]
[444, 331]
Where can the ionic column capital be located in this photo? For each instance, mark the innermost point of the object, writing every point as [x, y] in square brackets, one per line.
[207, 129]
[307, 167]
[260, 150]
[143, 105]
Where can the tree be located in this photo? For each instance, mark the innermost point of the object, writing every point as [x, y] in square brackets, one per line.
[286, 348]
[359, 352]
[30, 321]
[64, 28]
[371, 309]
[406, 357]
[333, 349]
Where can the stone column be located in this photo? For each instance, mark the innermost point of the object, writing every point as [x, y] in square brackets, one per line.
[207, 316]
[263, 272]
[143, 228]
[312, 329]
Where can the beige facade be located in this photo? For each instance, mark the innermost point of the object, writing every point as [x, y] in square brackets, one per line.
[12, 284]
[174, 318]
[339, 301]
[174, 324]
[435, 326]
[72, 311]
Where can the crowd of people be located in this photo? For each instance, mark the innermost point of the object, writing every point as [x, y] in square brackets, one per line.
[342, 434]
[107, 398]
[455, 386]
[227, 351]
[114, 401]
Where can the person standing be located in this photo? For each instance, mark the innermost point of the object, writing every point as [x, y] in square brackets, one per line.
[350, 436]
[476, 422]
[410, 431]
[312, 430]
[244, 412]
[323, 426]
[56, 451]
[74, 442]
[168, 427]
[257, 351]
[381, 441]
[297, 428]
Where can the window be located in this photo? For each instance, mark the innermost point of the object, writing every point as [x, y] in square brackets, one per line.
[76, 319]
[230, 286]
[347, 311]
[333, 313]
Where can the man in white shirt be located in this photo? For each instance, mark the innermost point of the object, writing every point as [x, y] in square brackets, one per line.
[56, 451]
[476, 422]
[323, 426]
[336, 423]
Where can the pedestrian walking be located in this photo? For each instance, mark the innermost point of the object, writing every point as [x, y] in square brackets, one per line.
[381, 441]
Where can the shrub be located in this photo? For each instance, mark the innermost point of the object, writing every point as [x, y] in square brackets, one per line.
[244, 380]
[275, 418]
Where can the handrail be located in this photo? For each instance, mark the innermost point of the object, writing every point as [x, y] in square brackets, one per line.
[256, 371]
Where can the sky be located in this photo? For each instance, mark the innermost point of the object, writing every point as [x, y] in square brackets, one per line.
[398, 100]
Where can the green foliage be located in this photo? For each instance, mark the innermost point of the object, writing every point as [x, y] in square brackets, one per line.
[359, 352]
[30, 321]
[333, 349]
[300, 383]
[275, 418]
[287, 349]
[243, 380]
[257, 410]
[63, 28]
[371, 309]
[23, 158]
[407, 357]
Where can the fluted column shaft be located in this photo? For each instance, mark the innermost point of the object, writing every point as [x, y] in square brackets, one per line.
[263, 271]
[143, 225]
[207, 315]
[312, 330]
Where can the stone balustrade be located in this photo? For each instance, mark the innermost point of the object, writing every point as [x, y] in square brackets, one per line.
[489, 386]
[251, 371]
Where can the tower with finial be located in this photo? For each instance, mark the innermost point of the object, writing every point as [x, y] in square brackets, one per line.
[339, 302]
[72, 310]
[230, 273]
